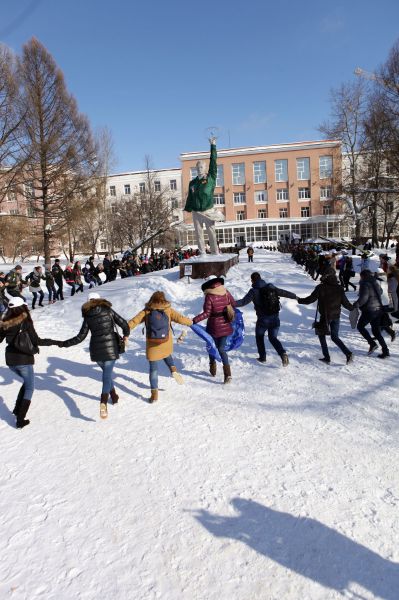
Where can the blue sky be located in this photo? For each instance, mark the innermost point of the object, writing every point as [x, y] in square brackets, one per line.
[159, 73]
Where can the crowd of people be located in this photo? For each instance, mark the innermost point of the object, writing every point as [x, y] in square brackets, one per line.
[219, 311]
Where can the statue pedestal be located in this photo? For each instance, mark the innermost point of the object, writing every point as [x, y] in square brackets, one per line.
[200, 267]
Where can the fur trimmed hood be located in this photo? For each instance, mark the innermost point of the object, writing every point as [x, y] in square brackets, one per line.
[94, 303]
[13, 322]
[220, 290]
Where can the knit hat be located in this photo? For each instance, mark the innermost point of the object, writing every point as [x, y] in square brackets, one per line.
[16, 301]
[94, 296]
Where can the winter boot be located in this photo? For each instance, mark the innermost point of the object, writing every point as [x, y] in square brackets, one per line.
[212, 367]
[284, 359]
[227, 373]
[103, 406]
[23, 409]
[154, 396]
[176, 376]
[114, 396]
[20, 397]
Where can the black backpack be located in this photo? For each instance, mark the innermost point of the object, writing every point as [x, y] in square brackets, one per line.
[269, 300]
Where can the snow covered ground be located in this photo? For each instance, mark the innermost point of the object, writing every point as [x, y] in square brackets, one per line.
[281, 486]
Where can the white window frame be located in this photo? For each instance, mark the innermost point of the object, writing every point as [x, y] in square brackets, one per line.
[238, 173]
[304, 193]
[240, 215]
[281, 174]
[127, 189]
[327, 210]
[325, 166]
[239, 198]
[142, 187]
[280, 210]
[173, 184]
[305, 209]
[157, 185]
[326, 192]
[193, 173]
[257, 196]
[219, 199]
[262, 210]
[301, 169]
[284, 192]
[260, 174]
[219, 176]
[112, 190]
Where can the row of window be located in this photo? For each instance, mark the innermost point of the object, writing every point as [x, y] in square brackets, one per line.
[280, 171]
[283, 213]
[174, 204]
[157, 187]
[282, 194]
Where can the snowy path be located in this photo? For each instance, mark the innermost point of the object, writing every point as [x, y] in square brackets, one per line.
[282, 486]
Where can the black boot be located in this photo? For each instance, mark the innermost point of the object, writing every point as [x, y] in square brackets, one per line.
[21, 421]
[20, 397]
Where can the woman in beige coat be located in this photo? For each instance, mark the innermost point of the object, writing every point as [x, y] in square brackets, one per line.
[159, 341]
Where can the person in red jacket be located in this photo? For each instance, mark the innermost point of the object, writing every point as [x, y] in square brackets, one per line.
[217, 298]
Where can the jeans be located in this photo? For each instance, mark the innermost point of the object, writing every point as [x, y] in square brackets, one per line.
[271, 324]
[334, 328]
[41, 296]
[52, 294]
[220, 344]
[154, 370]
[107, 367]
[27, 374]
[374, 318]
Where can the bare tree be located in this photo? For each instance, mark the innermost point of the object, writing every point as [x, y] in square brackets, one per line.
[59, 151]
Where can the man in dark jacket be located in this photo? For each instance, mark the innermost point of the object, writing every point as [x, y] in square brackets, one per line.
[107, 266]
[330, 296]
[58, 275]
[370, 304]
[14, 282]
[267, 307]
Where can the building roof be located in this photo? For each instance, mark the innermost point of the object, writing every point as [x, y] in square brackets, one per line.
[306, 145]
[144, 172]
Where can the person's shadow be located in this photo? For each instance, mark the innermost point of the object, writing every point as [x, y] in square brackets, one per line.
[307, 547]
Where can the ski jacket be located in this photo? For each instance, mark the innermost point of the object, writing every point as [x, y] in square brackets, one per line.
[330, 296]
[254, 296]
[370, 292]
[216, 300]
[156, 351]
[34, 280]
[14, 280]
[58, 274]
[69, 275]
[100, 320]
[9, 330]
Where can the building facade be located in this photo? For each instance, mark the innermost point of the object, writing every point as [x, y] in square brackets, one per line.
[268, 193]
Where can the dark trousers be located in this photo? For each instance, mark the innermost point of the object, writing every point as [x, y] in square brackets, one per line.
[271, 325]
[374, 318]
[250, 258]
[334, 328]
[59, 295]
[41, 296]
[52, 294]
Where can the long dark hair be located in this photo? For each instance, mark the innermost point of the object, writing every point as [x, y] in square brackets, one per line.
[16, 312]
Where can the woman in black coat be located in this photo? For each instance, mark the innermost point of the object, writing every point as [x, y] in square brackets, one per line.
[330, 296]
[100, 320]
[22, 343]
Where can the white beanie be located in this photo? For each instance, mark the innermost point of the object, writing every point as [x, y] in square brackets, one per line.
[94, 296]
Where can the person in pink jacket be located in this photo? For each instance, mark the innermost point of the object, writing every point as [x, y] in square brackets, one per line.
[217, 299]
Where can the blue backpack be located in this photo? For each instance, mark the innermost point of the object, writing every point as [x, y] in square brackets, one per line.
[158, 326]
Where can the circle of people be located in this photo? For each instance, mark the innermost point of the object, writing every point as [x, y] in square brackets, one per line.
[106, 343]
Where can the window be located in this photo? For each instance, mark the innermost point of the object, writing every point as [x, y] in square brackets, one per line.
[142, 188]
[174, 203]
[173, 184]
[281, 170]
[30, 211]
[193, 172]
[325, 167]
[103, 244]
[127, 189]
[14, 211]
[304, 193]
[283, 213]
[326, 210]
[262, 213]
[220, 176]
[218, 199]
[157, 186]
[261, 197]
[305, 211]
[114, 209]
[112, 190]
[282, 194]
[29, 191]
[260, 172]
[238, 171]
[240, 215]
[325, 192]
[303, 168]
[239, 198]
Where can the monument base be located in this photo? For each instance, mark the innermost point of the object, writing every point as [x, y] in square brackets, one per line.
[206, 265]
